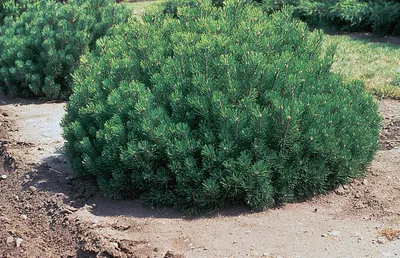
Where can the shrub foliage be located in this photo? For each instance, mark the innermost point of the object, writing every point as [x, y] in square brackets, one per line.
[382, 17]
[217, 106]
[41, 42]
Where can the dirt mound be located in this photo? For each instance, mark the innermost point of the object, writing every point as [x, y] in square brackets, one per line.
[40, 196]
[26, 229]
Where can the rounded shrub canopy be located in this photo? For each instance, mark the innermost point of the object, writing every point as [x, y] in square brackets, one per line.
[217, 106]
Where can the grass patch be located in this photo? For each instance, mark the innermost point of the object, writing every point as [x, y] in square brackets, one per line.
[377, 64]
[139, 7]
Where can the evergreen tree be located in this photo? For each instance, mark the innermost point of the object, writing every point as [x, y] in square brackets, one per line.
[217, 106]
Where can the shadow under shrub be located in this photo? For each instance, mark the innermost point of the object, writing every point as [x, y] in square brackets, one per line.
[218, 106]
[41, 43]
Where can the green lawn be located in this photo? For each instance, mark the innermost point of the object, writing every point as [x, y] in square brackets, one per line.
[375, 63]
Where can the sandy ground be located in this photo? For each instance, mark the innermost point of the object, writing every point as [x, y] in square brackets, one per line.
[45, 211]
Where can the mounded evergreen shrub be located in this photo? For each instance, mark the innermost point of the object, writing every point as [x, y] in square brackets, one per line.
[217, 106]
[40, 47]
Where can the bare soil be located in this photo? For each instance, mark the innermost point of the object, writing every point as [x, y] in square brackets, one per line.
[46, 211]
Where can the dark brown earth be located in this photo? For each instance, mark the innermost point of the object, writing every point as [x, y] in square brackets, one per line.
[46, 211]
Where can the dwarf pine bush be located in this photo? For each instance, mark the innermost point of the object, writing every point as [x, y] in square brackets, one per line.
[41, 42]
[217, 106]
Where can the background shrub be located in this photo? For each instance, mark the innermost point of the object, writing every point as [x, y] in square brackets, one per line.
[41, 45]
[220, 105]
[171, 7]
[381, 17]
[396, 80]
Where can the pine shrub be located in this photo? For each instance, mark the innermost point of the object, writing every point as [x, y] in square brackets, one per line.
[217, 106]
[41, 43]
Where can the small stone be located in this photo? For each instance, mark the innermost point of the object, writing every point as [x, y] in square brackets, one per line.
[27, 176]
[87, 195]
[40, 149]
[340, 190]
[68, 209]
[365, 182]
[346, 187]
[56, 161]
[323, 235]
[155, 249]
[95, 221]
[32, 189]
[359, 205]
[80, 192]
[387, 254]
[18, 242]
[334, 233]
[24, 217]
[115, 244]
[266, 254]
[3, 177]
[9, 240]
[380, 240]
[70, 178]
[358, 236]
